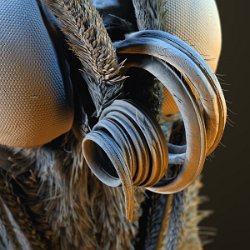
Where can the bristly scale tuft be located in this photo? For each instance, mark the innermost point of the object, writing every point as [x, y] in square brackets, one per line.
[88, 39]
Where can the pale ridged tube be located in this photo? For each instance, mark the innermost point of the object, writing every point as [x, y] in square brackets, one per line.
[127, 147]
[131, 140]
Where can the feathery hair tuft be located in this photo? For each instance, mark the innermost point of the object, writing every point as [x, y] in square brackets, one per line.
[87, 38]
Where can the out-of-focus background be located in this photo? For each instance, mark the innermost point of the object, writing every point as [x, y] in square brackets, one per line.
[227, 174]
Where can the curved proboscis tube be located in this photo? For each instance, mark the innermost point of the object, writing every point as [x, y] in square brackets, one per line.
[127, 145]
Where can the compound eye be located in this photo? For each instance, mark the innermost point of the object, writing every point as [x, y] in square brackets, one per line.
[198, 24]
[34, 105]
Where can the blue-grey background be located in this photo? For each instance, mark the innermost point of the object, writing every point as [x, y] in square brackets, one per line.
[227, 175]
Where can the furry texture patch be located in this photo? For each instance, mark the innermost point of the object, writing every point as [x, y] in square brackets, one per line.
[57, 202]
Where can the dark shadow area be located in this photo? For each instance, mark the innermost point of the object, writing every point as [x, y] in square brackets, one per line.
[227, 174]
